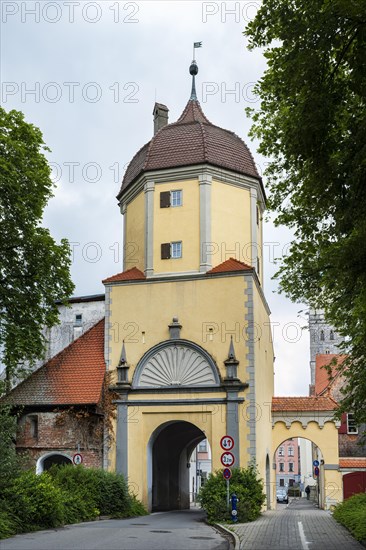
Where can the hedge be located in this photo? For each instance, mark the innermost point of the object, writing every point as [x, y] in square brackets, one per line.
[247, 487]
[63, 495]
[352, 514]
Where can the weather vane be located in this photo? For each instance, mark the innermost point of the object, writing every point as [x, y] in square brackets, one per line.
[196, 45]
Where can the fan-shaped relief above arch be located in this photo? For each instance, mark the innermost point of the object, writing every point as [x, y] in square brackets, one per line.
[176, 364]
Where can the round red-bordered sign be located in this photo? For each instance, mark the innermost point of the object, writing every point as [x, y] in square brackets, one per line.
[227, 443]
[227, 459]
[77, 459]
[226, 473]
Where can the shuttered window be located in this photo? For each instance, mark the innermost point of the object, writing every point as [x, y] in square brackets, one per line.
[165, 251]
[165, 199]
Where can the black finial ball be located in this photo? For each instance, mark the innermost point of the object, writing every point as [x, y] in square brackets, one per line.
[193, 69]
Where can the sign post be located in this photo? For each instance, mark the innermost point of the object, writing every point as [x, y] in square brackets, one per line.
[227, 459]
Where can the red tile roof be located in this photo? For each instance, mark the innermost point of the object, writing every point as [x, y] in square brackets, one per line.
[73, 377]
[230, 265]
[303, 404]
[190, 141]
[352, 462]
[132, 274]
[321, 373]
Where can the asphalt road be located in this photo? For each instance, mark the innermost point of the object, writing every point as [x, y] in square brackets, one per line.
[181, 530]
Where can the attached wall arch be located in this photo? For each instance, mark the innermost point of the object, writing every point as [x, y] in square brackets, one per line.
[54, 457]
[176, 363]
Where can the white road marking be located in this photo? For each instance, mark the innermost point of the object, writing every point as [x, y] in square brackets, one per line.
[304, 542]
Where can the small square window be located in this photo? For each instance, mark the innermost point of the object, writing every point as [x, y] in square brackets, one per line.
[176, 198]
[176, 249]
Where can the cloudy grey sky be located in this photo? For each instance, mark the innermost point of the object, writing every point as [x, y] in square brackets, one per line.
[88, 74]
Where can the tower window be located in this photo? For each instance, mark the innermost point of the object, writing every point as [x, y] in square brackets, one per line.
[322, 335]
[331, 335]
[171, 250]
[171, 198]
[257, 215]
[176, 248]
[176, 198]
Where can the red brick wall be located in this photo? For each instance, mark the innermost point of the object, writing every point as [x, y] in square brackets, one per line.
[61, 434]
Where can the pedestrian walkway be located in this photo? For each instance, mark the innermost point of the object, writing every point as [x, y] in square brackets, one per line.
[300, 525]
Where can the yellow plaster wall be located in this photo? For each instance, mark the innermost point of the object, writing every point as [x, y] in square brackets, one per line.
[179, 223]
[264, 381]
[199, 304]
[134, 240]
[230, 229]
[326, 439]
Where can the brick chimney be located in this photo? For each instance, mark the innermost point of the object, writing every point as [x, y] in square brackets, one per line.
[160, 113]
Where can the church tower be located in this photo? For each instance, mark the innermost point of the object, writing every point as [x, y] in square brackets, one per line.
[187, 325]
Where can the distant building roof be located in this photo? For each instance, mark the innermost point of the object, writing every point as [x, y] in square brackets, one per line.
[303, 404]
[322, 380]
[79, 299]
[192, 140]
[72, 377]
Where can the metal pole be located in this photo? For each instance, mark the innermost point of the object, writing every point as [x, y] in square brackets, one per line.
[228, 494]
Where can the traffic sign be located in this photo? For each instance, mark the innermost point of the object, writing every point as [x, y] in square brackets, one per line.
[316, 471]
[227, 473]
[315, 462]
[77, 459]
[227, 459]
[227, 443]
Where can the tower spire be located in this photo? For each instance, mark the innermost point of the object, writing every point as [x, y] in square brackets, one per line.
[193, 70]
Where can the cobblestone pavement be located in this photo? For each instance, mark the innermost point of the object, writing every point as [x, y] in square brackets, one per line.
[300, 525]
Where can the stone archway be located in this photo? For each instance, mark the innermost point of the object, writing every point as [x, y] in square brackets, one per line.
[169, 451]
[323, 434]
[46, 461]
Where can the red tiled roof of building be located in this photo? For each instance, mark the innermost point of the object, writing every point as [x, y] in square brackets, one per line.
[132, 274]
[192, 140]
[303, 404]
[230, 265]
[352, 462]
[73, 377]
[321, 373]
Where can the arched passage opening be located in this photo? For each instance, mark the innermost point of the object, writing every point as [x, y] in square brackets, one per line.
[169, 452]
[45, 462]
[298, 464]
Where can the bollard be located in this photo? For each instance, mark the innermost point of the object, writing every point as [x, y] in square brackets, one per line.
[234, 507]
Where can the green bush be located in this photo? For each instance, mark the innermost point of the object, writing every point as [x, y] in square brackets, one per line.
[36, 501]
[63, 495]
[247, 487]
[352, 514]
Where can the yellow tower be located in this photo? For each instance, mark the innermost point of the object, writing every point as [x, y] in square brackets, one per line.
[187, 324]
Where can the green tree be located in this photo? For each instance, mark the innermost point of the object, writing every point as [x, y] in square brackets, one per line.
[312, 125]
[34, 270]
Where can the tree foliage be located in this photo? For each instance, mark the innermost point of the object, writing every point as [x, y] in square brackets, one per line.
[34, 270]
[312, 125]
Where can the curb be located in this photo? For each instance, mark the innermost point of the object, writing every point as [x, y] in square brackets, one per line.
[232, 535]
